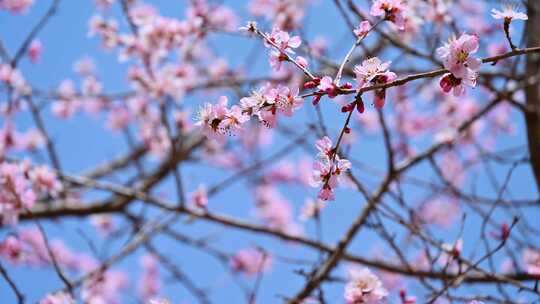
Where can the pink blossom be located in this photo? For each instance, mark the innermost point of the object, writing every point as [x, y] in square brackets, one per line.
[364, 287]
[66, 90]
[16, 6]
[143, 13]
[275, 60]
[363, 29]
[442, 213]
[103, 4]
[326, 194]
[326, 84]
[218, 68]
[91, 86]
[64, 109]
[58, 298]
[14, 78]
[45, 180]
[463, 67]
[104, 287]
[9, 138]
[456, 55]
[15, 192]
[392, 281]
[448, 82]
[531, 261]
[405, 299]
[31, 140]
[284, 41]
[149, 281]
[106, 29]
[328, 169]
[391, 10]
[84, 66]
[325, 147]
[302, 61]
[34, 50]
[285, 44]
[11, 248]
[284, 14]
[270, 100]
[119, 118]
[287, 100]
[251, 261]
[211, 116]
[103, 223]
[508, 14]
[373, 71]
[319, 46]
[283, 172]
[34, 252]
[199, 197]
[233, 120]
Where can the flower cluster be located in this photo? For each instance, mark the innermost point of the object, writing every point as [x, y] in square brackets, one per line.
[16, 193]
[158, 35]
[20, 185]
[456, 55]
[28, 247]
[217, 120]
[373, 71]
[328, 169]
[11, 139]
[364, 287]
[269, 100]
[281, 44]
[13, 78]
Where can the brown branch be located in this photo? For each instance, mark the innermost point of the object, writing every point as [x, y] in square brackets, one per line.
[532, 91]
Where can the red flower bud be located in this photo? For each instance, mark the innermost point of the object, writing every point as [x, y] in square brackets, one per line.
[310, 85]
[316, 99]
[360, 107]
[348, 107]
[347, 86]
